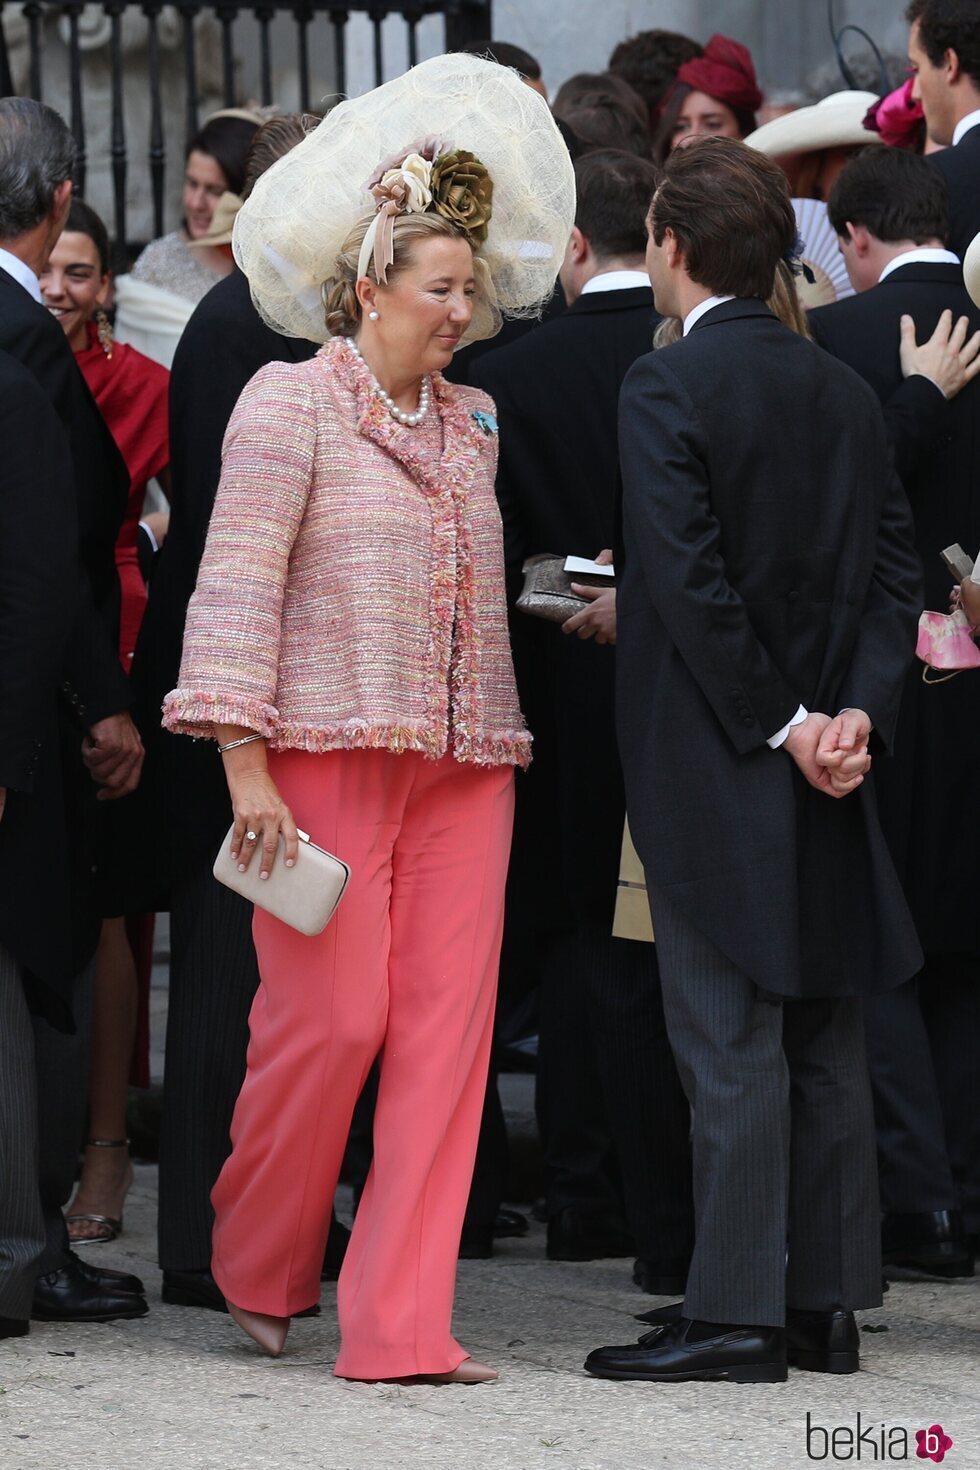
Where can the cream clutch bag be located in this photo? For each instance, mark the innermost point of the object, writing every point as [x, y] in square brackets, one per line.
[304, 897]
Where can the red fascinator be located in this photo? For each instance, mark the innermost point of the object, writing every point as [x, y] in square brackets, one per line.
[724, 71]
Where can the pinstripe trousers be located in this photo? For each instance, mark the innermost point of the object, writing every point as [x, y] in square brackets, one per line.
[785, 1177]
[22, 1232]
[213, 979]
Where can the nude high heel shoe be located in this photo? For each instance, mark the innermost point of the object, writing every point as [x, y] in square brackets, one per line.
[268, 1332]
[469, 1371]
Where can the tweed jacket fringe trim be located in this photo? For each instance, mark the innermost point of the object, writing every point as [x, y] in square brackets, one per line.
[258, 632]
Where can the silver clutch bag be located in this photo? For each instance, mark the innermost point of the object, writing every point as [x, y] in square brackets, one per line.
[305, 897]
[547, 591]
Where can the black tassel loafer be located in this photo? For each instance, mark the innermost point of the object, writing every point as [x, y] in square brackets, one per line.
[681, 1352]
[817, 1342]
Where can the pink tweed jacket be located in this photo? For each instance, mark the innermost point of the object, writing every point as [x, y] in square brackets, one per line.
[351, 593]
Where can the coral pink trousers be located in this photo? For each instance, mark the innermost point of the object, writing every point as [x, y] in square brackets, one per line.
[408, 965]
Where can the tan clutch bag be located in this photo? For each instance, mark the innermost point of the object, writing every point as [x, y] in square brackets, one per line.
[304, 897]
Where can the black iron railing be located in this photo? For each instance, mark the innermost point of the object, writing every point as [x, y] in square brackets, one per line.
[173, 119]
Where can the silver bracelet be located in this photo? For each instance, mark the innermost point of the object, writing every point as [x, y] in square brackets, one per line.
[245, 740]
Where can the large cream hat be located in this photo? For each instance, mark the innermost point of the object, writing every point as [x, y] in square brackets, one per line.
[836, 122]
[971, 270]
[291, 229]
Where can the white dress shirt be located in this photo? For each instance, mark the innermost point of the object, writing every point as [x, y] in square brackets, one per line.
[972, 120]
[923, 254]
[616, 281]
[695, 316]
[22, 274]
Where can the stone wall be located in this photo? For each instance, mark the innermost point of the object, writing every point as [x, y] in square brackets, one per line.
[790, 39]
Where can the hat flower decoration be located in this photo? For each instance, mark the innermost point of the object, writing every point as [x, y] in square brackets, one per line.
[429, 175]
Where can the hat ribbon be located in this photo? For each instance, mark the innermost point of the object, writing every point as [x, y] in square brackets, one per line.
[380, 239]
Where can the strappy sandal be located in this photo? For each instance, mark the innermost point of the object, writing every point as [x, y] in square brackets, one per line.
[110, 1227]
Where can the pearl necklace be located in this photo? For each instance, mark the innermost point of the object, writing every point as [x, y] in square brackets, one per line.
[410, 419]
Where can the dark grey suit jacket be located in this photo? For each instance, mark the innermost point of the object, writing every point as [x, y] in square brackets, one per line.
[960, 167]
[934, 781]
[768, 564]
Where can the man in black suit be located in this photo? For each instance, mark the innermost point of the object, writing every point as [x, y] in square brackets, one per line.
[213, 972]
[766, 619]
[944, 49]
[606, 1070]
[99, 743]
[38, 565]
[889, 209]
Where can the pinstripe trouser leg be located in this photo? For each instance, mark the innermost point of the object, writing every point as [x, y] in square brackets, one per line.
[62, 1063]
[213, 979]
[22, 1234]
[767, 1081]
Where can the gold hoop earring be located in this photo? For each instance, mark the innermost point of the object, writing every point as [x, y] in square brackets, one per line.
[103, 328]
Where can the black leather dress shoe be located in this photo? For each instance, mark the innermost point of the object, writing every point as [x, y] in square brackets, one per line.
[574, 1236]
[13, 1327]
[822, 1342]
[69, 1296]
[199, 1289]
[333, 1257]
[476, 1243]
[508, 1224]
[927, 1244]
[671, 1354]
[107, 1279]
[192, 1289]
[659, 1279]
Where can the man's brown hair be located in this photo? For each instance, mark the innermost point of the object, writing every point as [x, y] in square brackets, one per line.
[730, 211]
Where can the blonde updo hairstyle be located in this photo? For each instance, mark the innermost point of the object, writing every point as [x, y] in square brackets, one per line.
[341, 306]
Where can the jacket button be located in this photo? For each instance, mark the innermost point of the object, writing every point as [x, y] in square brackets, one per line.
[793, 596]
[747, 720]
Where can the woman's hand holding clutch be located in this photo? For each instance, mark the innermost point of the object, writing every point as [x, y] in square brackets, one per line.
[260, 813]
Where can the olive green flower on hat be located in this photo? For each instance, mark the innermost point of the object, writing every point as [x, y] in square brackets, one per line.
[462, 191]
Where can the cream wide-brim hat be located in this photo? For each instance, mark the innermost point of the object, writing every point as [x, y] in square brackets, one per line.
[836, 122]
[289, 232]
[971, 270]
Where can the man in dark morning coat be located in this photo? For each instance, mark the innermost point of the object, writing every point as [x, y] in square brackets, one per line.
[213, 972]
[99, 743]
[944, 49]
[890, 211]
[38, 565]
[100, 746]
[766, 620]
[605, 1064]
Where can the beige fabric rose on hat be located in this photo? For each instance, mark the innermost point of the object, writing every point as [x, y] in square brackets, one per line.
[407, 185]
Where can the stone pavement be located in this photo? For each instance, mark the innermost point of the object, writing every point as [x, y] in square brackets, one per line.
[183, 1389]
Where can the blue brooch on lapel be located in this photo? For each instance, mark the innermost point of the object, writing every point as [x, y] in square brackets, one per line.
[486, 421]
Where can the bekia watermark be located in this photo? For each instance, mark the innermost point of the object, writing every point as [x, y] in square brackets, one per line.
[870, 1442]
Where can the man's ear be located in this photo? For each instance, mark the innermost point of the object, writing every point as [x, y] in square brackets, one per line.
[61, 203]
[953, 69]
[673, 254]
[860, 238]
[578, 247]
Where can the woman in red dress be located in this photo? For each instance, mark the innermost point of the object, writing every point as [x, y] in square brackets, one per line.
[131, 392]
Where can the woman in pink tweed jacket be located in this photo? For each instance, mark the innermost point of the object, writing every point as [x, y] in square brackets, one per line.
[348, 640]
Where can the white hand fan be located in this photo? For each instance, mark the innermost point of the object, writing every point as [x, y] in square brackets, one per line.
[820, 243]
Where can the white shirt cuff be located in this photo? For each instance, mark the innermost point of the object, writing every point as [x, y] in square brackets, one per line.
[775, 741]
[148, 532]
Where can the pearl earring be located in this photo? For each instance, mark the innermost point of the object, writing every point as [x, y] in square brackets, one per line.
[373, 316]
